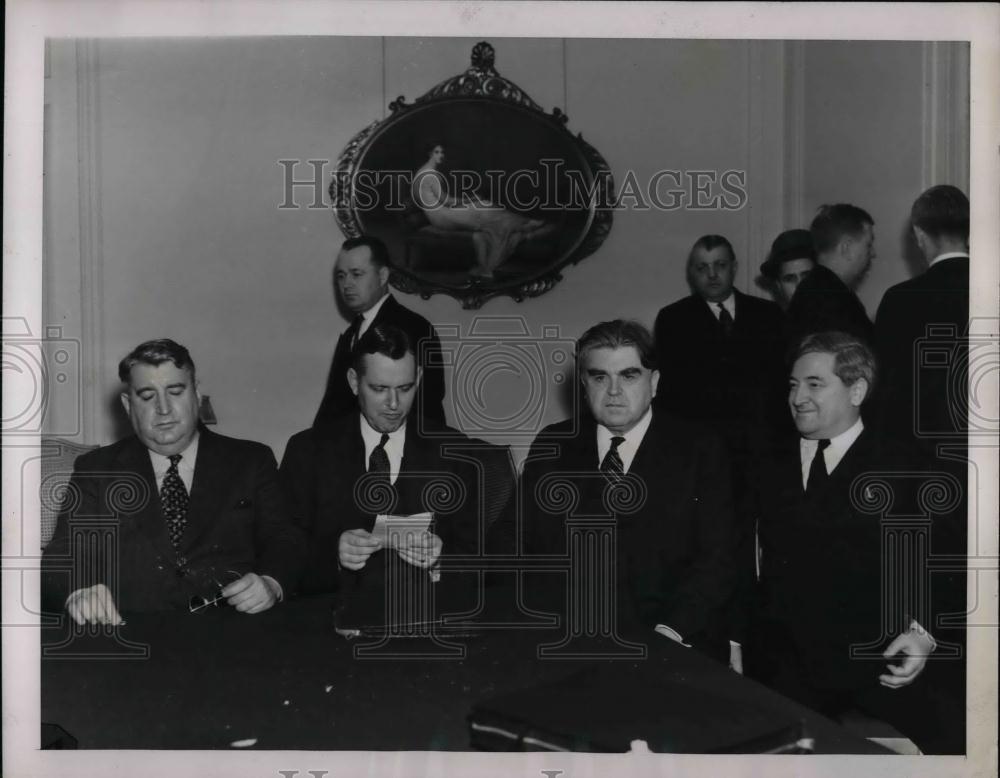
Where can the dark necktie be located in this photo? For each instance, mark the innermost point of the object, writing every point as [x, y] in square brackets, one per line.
[612, 466]
[378, 462]
[725, 320]
[353, 330]
[174, 501]
[817, 470]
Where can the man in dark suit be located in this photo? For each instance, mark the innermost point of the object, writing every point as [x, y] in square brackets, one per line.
[361, 279]
[720, 358]
[790, 261]
[375, 461]
[844, 238]
[834, 605]
[932, 308]
[173, 513]
[674, 543]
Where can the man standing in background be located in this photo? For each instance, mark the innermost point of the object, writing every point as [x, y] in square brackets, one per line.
[844, 238]
[791, 259]
[361, 280]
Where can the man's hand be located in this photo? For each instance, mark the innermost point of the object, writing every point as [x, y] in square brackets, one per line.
[356, 545]
[250, 594]
[423, 550]
[93, 605]
[917, 646]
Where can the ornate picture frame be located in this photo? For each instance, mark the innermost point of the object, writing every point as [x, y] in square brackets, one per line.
[476, 191]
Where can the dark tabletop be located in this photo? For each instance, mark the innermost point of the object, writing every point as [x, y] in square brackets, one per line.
[286, 678]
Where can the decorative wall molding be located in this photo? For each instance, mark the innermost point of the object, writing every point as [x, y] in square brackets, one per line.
[945, 124]
[88, 129]
[794, 82]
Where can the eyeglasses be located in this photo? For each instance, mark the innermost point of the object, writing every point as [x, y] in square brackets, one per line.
[199, 602]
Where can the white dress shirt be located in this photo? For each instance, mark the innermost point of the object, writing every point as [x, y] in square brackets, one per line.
[627, 449]
[393, 446]
[833, 453]
[185, 468]
[369, 316]
[729, 304]
[949, 255]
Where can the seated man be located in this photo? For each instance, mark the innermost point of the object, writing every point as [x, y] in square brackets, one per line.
[674, 545]
[173, 513]
[329, 471]
[837, 628]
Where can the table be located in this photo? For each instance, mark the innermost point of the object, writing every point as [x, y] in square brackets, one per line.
[285, 677]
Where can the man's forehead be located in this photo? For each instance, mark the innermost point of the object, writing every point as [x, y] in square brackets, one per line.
[381, 369]
[719, 253]
[605, 358]
[359, 256]
[143, 374]
[817, 363]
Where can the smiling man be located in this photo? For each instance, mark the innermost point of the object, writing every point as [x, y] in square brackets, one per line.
[675, 541]
[828, 634]
[361, 282]
[339, 477]
[187, 515]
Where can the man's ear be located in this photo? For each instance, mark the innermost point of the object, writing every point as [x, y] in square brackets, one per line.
[654, 380]
[352, 379]
[858, 392]
[420, 374]
[383, 276]
[126, 403]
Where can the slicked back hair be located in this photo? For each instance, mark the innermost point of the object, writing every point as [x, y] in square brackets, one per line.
[942, 211]
[852, 358]
[833, 222]
[617, 334]
[155, 352]
[385, 339]
[709, 243]
[380, 254]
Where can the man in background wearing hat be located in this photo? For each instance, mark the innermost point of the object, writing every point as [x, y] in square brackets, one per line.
[791, 259]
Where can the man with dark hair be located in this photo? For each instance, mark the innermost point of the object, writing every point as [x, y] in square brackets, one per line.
[844, 238]
[933, 309]
[828, 618]
[195, 515]
[674, 546]
[790, 261]
[361, 280]
[720, 358]
[334, 475]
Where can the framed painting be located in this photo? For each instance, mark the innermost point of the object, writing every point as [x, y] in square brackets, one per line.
[475, 190]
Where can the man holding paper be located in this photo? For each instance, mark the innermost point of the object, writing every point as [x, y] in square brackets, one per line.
[350, 483]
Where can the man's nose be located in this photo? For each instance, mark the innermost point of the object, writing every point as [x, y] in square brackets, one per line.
[162, 405]
[393, 399]
[798, 395]
[615, 386]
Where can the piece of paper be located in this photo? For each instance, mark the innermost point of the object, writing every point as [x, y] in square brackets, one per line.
[400, 531]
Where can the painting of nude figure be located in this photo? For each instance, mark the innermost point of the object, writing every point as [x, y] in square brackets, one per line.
[475, 190]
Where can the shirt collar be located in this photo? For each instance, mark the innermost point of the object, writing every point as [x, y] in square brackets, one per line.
[373, 437]
[188, 456]
[949, 255]
[840, 443]
[729, 304]
[632, 438]
[372, 312]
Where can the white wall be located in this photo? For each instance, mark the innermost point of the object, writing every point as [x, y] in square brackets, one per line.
[162, 189]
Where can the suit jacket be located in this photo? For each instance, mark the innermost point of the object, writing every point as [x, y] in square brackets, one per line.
[937, 298]
[674, 551]
[822, 566]
[321, 473]
[339, 400]
[236, 520]
[823, 302]
[736, 383]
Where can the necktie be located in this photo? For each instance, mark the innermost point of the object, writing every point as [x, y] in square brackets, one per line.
[174, 501]
[612, 466]
[817, 470]
[353, 330]
[378, 462]
[725, 320]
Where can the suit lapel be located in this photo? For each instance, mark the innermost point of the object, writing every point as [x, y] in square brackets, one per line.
[148, 520]
[207, 489]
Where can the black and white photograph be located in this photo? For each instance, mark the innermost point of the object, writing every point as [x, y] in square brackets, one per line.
[544, 388]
